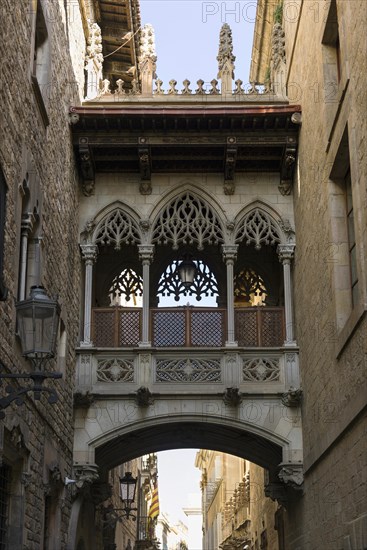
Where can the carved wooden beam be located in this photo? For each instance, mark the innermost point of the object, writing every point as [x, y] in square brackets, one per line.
[145, 164]
[287, 167]
[86, 166]
[230, 165]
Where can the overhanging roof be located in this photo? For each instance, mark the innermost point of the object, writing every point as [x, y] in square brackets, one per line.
[179, 138]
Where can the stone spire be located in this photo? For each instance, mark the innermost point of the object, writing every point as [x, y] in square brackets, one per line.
[226, 59]
[147, 59]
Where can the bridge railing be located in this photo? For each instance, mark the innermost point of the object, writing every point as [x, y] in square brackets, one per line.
[119, 327]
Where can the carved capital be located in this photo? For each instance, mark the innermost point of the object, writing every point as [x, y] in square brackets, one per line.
[285, 252]
[146, 252]
[292, 475]
[89, 253]
[229, 252]
[27, 223]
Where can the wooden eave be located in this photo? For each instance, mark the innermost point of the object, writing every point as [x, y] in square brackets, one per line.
[179, 139]
[118, 17]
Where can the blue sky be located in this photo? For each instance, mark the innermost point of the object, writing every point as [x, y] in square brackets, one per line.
[187, 36]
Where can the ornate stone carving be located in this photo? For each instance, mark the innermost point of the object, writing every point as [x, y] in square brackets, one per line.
[159, 90]
[257, 227]
[187, 219]
[232, 397]
[127, 284]
[83, 400]
[285, 252]
[94, 60]
[115, 370]
[172, 87]
[188, 370]
[144, 397]
[225, 55]
[186, 90]
[145, 166]
[276, 491]
[200, 90]
[287, 167]
[118, 228]
[89, 253]
[292, 475]
[147, 59]
[26, 479]
[214, 90]
[261, 369]
[287, 228]
[238, 90]
[86, 167]
[277, 46]
[230, 166]
[105, 88]
[85, 475]
[147, 44]
[292, 398]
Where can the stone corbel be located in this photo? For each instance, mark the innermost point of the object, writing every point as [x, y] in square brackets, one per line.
[292, 475]
[87, 167]
[230, 166]
[100, 492]
[83, 400]
[145, 166]
[144, 397]
[232, 397]
[276, 491]
[84, 476]
[287, 167]
[292, 398]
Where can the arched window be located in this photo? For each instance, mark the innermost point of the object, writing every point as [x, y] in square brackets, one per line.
[249, 289]
[172, 291]
[126, 289]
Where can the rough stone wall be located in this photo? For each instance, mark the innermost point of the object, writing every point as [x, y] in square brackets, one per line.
[331, 335]
[46, 431]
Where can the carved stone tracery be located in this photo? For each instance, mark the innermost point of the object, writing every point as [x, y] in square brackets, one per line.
[117, 228]
[187, 220]
[126, 285]
[188, 370]
[257, 227]
[115, 370]
[261, 369]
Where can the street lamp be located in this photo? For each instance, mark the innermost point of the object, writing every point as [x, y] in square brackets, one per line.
[187, 271]
[37, 322]
[127, 493]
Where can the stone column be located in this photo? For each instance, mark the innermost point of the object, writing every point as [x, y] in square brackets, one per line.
[26, 229]
[285, 254]
[89, 254]
[146, 256]
[229, 256]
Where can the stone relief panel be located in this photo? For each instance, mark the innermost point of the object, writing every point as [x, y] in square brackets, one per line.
[188, 370]
[115, 370]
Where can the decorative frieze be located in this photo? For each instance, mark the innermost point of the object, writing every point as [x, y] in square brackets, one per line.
[115, 370]
[188, 370]
[261, 369]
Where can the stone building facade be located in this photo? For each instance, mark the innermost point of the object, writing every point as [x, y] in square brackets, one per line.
[236, 513]
[39, 197]
[319, 49]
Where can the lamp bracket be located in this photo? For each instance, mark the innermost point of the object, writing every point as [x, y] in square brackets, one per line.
[18, 394]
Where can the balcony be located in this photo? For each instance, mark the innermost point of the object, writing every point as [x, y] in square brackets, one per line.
[191, 327]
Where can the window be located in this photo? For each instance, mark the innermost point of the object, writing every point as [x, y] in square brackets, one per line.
[351, 237]
[41, 68]
[332, 64]
[343, 252]
[3, 191]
